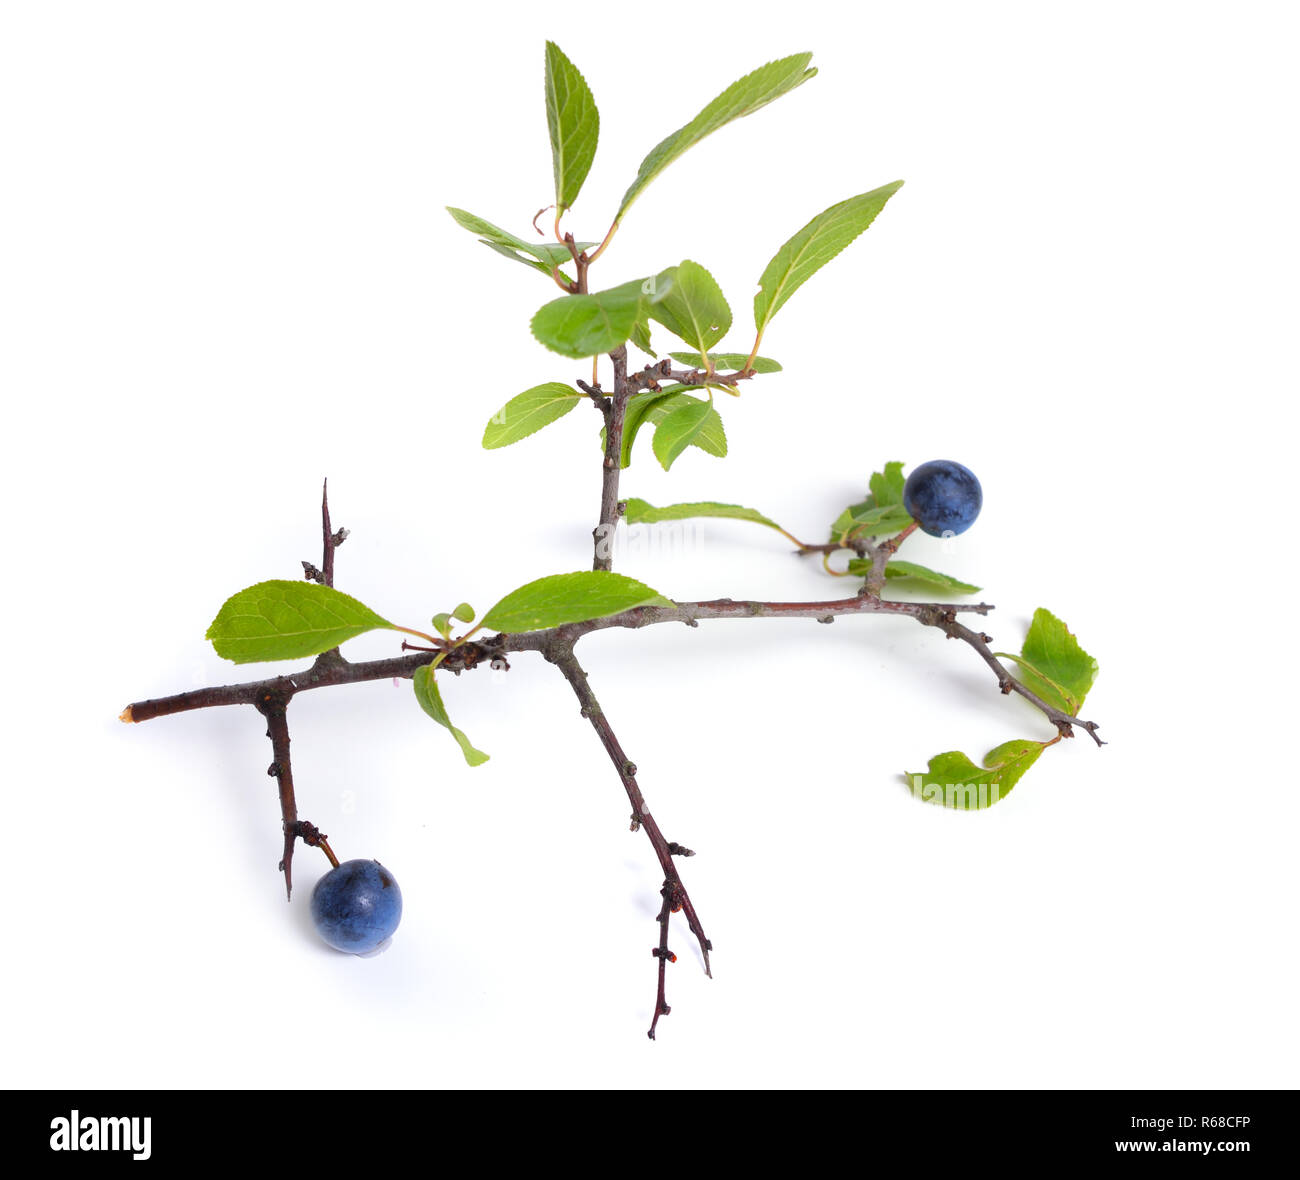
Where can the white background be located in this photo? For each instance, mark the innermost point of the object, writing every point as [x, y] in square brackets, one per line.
[227, 273]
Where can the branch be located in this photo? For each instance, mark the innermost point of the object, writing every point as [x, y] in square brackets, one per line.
[610, 507]
[560, 653]
[273, 706]
[329, 669]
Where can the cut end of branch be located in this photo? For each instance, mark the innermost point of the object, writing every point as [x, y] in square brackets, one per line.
[126, 715]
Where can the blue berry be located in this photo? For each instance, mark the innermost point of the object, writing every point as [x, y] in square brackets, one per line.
[356, 906]
[943, 497]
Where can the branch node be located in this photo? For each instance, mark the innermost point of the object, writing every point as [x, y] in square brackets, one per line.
[679, 849]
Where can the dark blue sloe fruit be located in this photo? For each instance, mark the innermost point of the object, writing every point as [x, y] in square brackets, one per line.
[356, 906]
[943, 497]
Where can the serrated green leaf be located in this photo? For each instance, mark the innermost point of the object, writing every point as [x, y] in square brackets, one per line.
[695, 309]
[1053, 666]
[426, 692]
[742, 97]
[723, 361]
[955, 781]
[678, 429]
[655, 405]
[887, 485]
[528, 413]
[283, 620]
[588, 325]
[860, 567]
[569, 598]
[641, 512]
[813, 247]
[711, 439]
[573, 122]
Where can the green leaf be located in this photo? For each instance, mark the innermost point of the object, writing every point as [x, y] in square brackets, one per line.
[695, 309]
[742, 97]
[1052, 664]
[541, 255]
[588, 325]
[955, 781]
[860, 567]
[569, 598]
[426, 692]
[641, 338]
[882, 510]
[870, 521]
[813, 247]
[528, 413]
[442, 623]
[678, 430]
[887, 485]
[655, 406]
[464, 612]
[574, 124]
[723, 361]
[909, 569]
[641, 512]
[282, 620]
[558, 252]
[711, 437]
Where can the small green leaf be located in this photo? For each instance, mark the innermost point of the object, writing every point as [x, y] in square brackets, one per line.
[541, 255]
[695, 309]
[955, 781]
[887, 485]
[867, 520]
[641, 512]
[742, 97]
[426, 692]
[678, 430]
[813, 247]
[588, 325]
[724, 361]
[442, 623]
[574, 124]
[1052, 664]
[641, 338]
[569, 598]
[881, 511]
[528, 413]
[464, 612]
[654, 406]
[909, 569]
[282, 620]
[558, 252]
[711, 439]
